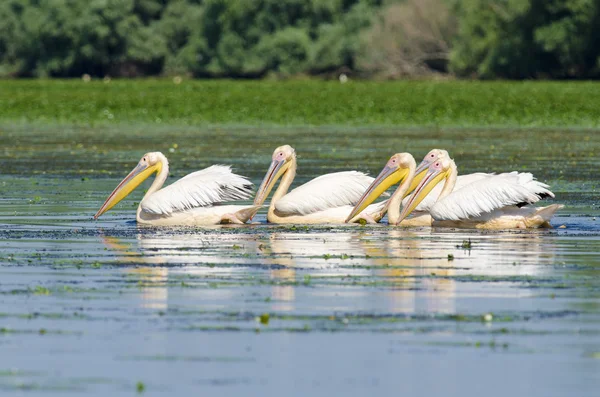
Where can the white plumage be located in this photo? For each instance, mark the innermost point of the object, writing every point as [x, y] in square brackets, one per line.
[429, 200]
[338, 189]
[200, 198]
[213, 185]
[489, 194]
[327, 199]
[489, 202]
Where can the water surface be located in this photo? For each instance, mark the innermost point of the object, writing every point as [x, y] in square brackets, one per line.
[107, 307]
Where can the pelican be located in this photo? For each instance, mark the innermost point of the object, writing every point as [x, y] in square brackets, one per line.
[414, 176]
[195, 199]
[400, 167]
[492, 202]
[420, 215]
[429, 200]
[326, 199]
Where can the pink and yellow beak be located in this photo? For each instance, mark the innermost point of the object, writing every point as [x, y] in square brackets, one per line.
[425, 185]
[139, 174]
[275, 171]
[423, 166]
[389, 175]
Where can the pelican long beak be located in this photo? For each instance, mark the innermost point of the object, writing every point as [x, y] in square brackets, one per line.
[429, 181]
[274, 172]
[139, 174]
[387, 177]
[422, 167]
[420, 172]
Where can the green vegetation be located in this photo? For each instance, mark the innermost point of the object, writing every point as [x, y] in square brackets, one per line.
[257, 38]
[466, 244]
[527, 39]
[140, 387]
[307, 279]
[264, 318]
[406, 103]
[39, 290]
[200, 37]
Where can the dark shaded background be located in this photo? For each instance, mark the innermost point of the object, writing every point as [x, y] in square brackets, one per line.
[281, 38]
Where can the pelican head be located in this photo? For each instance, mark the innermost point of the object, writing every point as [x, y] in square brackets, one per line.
[395, 170]
[283, 157]
[437, 171]
[150, 163]
[430, 158]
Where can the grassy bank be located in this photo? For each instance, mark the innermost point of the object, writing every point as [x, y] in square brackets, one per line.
[403, 103]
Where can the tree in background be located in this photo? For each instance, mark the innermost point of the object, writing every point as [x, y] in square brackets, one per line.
[409, 38]
[71, 37]
[235, 38]
[527, 39]
[255, 38]
[249, 38]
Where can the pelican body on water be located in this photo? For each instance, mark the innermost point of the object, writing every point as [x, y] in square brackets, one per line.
[496, 201]
[199, 198]
[479, 200]
[326, 199]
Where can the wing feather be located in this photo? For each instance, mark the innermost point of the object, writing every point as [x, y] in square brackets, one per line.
[325, 192]
[489, 194]
[429, 201]
[212, 185]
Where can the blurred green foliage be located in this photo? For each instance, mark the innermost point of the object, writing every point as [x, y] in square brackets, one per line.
[527, 39]
[256, 38]
[237, 38]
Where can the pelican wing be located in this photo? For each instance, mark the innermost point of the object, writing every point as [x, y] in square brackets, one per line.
[325, 192]
[212, 185]
[489, 194]
[429, 200]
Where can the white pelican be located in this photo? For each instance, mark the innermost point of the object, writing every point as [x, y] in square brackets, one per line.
[420, 216]
[325, 199]
[431, 198]
[493, 202]
[411, 179]
[195, 199]
[400, 167]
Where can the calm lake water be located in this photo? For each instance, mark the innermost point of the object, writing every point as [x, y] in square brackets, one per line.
[108, 308]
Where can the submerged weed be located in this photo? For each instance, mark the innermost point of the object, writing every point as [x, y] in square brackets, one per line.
[466, 245]
[264, 318]
[39, 290]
